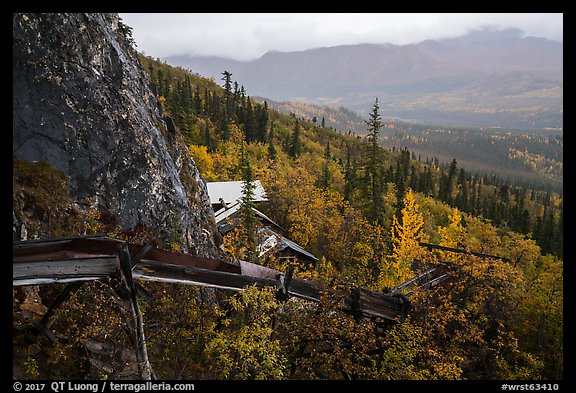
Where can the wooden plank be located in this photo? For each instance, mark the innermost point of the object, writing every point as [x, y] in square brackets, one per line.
[418, 279]
[105, 246]
[53, 280]
[144, 367]
[163, 272]
[371, 304]
[55, 244]
[305, 290]
[431, 283]
[56, 255]
[173, 258]
[461, 251]
[21, 249]
[63, 270]
[367, 303]
[254, 270]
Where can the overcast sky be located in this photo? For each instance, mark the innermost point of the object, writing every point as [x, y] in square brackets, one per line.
[248, 36]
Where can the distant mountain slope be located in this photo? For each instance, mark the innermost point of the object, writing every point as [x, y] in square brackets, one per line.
[338, 118]
[486, 78]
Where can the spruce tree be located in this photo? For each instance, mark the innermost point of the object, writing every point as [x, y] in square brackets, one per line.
[447, 183]
[348, 176]
[294, 150]
[227, 78]
[325, 179]
[249, 122]
[208, 140]
[262, 120]
[373, 164]
[248, 217]
[400, 190]
[197, 102]
[271, 148]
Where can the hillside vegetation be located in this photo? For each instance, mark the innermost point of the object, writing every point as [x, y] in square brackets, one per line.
[364, 211]
[530, 158]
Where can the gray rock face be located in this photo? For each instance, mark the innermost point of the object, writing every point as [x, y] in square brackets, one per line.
[82, 102]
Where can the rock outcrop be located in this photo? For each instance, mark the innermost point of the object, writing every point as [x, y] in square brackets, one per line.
[82, 102]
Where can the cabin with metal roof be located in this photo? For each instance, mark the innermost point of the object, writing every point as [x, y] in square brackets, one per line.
[225, 198]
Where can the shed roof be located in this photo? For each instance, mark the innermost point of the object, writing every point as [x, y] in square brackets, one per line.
[224, 225]
[269, 239]
[231, 191]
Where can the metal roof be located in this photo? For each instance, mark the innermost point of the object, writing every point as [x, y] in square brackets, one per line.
[224, 225]
[231, 191]
[270, 240]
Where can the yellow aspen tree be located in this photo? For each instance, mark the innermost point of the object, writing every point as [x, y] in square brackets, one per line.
[452, 236]
[406, 236]
[203, 160]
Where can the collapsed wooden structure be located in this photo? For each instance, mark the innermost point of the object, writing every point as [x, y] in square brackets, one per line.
[73, 261]
[76, 260]
[90, 258]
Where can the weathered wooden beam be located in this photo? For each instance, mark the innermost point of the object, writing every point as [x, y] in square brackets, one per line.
[369, 304]
[144, 366]
[141, 253]
[285, 281]
[415, 280]
[162, 272]
[305, 290]
[461, 251]
[63, 270]
[431, 283]
[61, 298]
[86, 259]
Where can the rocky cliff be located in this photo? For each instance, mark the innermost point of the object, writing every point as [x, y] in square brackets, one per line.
[82, 102]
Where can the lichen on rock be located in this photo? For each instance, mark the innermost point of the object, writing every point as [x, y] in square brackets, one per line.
[82, 102]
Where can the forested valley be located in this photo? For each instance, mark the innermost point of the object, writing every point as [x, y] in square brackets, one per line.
[364, 211]
[338, 160]
[531, 159]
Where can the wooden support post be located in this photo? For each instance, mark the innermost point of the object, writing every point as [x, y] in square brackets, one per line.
[285, 281]
[405, 305]
[143, 251]
[62, 297]
[126, 265]
[44, 325]
[356, 305]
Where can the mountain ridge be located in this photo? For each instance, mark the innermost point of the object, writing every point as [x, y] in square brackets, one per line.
[431, 81]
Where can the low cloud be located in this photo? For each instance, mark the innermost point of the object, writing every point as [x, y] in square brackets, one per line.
[248, 36]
